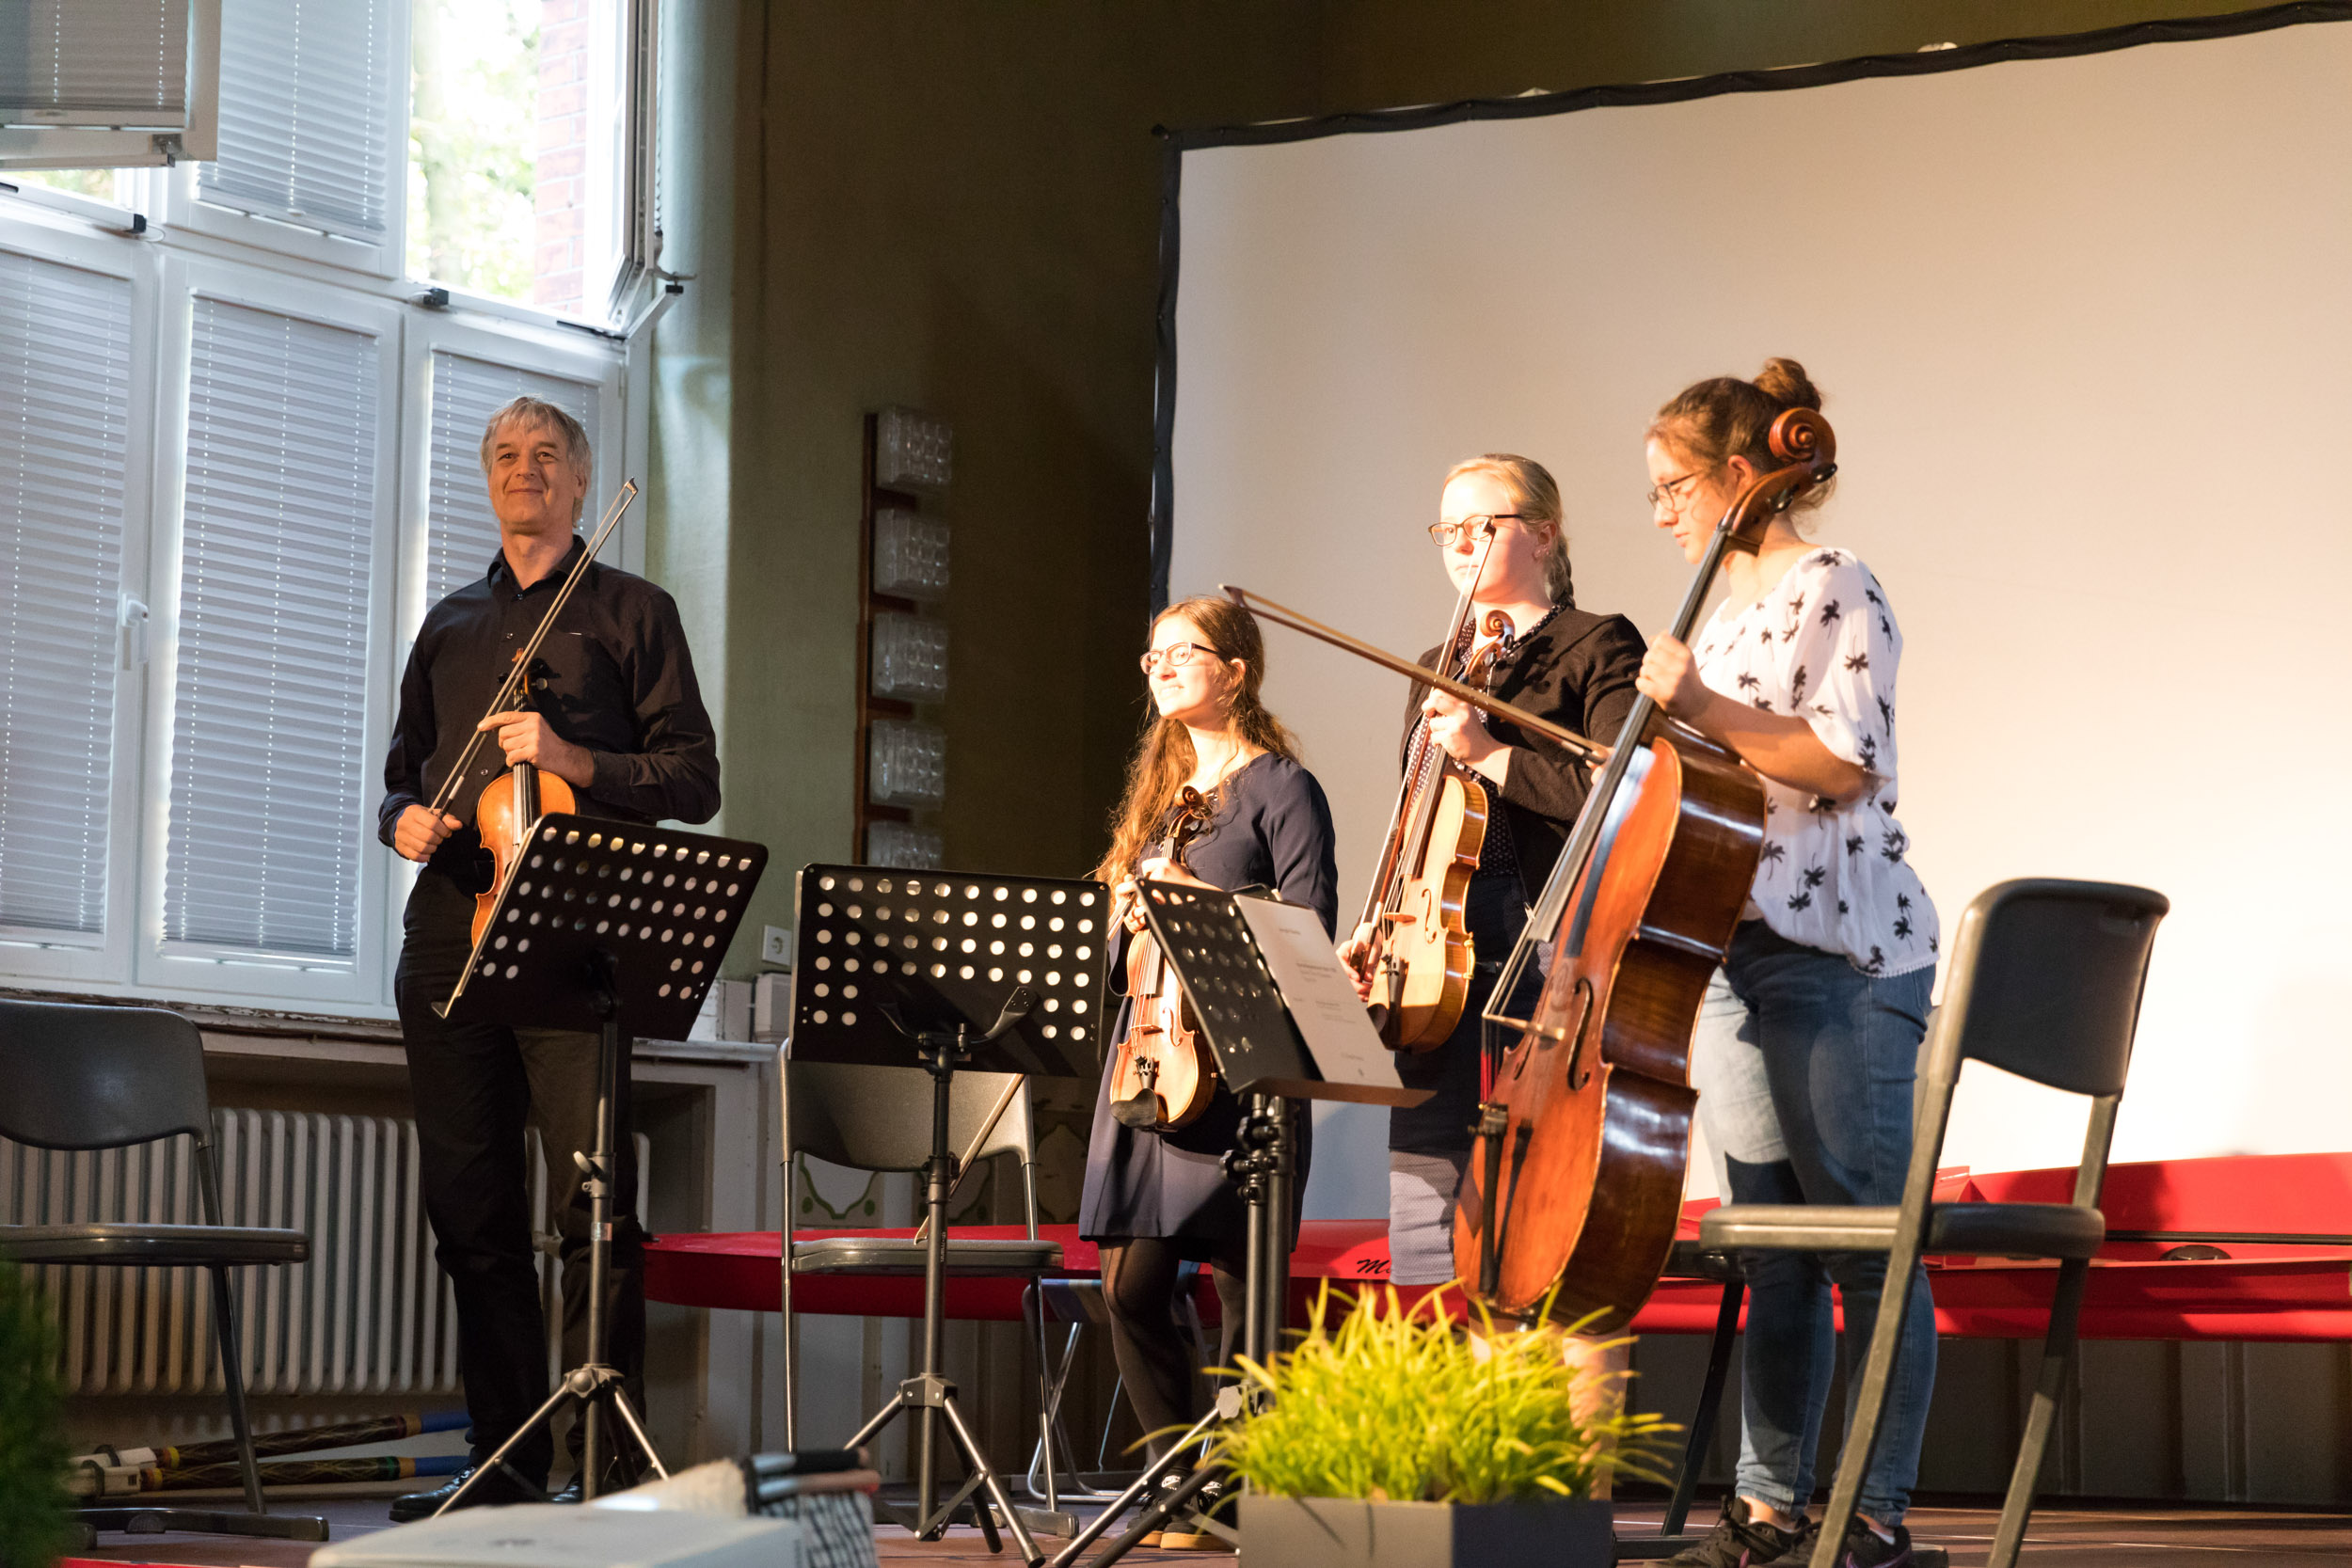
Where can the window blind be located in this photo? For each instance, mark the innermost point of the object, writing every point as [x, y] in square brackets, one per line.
[303, 127]
[94, 62]
[65, 395]
[461, 533]
[267, 779]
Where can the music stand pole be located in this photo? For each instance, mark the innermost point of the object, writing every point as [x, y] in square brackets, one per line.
[551, 954]
[928, 1394]
[595, 1383]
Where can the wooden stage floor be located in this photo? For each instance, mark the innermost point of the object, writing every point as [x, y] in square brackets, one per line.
[2124, 1536]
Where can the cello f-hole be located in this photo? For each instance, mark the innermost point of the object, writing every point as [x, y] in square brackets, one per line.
[1584, 1028]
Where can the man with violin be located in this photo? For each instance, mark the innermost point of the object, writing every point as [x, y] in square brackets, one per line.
[612, 709]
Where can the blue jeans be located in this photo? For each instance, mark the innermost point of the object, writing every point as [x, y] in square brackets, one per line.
[1804, 1068]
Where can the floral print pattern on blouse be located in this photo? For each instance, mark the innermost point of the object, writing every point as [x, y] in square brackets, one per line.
[1823, 645]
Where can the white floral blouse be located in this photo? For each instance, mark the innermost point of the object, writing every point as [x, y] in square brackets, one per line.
[1823, 645]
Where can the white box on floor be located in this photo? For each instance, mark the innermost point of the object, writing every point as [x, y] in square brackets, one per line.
[545, 1535]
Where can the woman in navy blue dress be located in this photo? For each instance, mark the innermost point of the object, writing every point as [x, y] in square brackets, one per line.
[1156, 1198]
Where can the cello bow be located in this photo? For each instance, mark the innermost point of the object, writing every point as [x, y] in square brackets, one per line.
[1534, 723]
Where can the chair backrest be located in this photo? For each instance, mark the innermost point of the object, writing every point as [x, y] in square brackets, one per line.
[880, 1117]
[83, 1077]
[2046, 981]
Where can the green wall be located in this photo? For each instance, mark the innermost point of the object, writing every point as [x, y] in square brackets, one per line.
[954, 204]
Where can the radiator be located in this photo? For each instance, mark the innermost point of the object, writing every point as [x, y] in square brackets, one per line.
[368, 1313]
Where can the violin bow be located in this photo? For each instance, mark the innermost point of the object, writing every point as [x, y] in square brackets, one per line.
[1534, 723]
[516, 671]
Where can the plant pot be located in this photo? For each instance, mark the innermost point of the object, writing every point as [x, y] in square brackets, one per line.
[1349, 1532]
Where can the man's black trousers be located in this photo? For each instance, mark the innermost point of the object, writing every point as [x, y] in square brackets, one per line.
[475, 1086]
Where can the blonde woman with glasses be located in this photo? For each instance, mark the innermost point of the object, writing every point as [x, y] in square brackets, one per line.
[1562, 663]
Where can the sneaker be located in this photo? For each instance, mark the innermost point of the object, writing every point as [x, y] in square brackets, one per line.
[1162, 1484]
[1739, 1541]
[1214, 1501]
[1861, 1548]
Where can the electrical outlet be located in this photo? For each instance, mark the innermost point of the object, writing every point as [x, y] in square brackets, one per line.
[775, 945]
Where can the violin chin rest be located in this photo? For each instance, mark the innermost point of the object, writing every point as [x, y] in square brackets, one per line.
[1142, 1111]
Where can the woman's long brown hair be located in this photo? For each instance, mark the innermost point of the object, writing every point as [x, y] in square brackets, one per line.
[1164, 758]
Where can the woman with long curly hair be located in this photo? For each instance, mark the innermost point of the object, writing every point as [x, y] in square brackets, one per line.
[1157, 1197]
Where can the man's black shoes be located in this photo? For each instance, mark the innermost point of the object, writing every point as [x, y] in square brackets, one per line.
[499, 1486]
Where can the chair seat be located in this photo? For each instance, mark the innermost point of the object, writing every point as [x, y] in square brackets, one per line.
[151, 1246]
[903, 1255]
[2005, 1229]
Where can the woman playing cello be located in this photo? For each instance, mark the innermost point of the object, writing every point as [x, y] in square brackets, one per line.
[1157, 1196]
[1557, 661]
[1805, 1048]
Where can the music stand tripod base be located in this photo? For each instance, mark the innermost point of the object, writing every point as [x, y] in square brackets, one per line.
[1263, 1054]
[601, 921]
[952, 970]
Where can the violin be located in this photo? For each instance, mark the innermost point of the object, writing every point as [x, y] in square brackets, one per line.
[1574, 1187]
[512, 803]
[509, 806]
[1420, 952]
[1162, 1055]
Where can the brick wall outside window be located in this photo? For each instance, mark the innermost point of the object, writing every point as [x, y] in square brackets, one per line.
[559, 253]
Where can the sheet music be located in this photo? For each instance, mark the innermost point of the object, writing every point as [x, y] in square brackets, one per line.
[1321, 998]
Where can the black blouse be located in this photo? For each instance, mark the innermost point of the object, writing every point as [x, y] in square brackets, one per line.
[1577, 669]
[1272, 828]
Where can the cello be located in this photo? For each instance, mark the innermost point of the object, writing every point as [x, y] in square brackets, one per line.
[1420, 954]
[1160, 1056]
[511, 803]
[1569, 1203]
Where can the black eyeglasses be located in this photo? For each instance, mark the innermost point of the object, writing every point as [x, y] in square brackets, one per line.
[1446, 534]
[1177, 655]
[1666, 492]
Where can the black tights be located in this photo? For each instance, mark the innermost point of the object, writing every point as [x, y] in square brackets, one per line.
[1155, 1354]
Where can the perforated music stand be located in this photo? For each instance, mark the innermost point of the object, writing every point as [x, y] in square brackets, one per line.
[599, 921]
[1261, 1053]
[946, 969]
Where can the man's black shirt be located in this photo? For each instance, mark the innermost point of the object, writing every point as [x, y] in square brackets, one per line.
[619, 682]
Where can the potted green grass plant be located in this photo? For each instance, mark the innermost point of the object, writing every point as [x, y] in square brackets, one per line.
[35, 1518]
[1407, 1436]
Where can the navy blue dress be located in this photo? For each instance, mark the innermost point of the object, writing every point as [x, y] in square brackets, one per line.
[1272, 828]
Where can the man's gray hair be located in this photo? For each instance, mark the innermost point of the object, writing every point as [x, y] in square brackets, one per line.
[534, 412]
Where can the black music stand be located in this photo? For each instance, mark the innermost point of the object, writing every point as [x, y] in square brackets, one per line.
[600, 920]
[1230, 976]
[945, 969]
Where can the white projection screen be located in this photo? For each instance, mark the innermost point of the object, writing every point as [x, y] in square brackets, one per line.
[2084, 326]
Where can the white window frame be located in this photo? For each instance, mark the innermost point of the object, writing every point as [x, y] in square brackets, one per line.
[624, 214]
[66, 957]
[134, 146]
[184, 968]
[386, 258]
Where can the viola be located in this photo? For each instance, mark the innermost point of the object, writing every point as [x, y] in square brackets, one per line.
[1574, 1186]
[1420, 952]
[1162, 1054]
[509, 804]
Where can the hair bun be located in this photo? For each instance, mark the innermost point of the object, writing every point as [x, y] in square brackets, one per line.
[1784, 382]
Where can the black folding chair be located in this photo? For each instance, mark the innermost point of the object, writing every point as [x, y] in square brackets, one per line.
[2045, 982]
[87, 1078]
